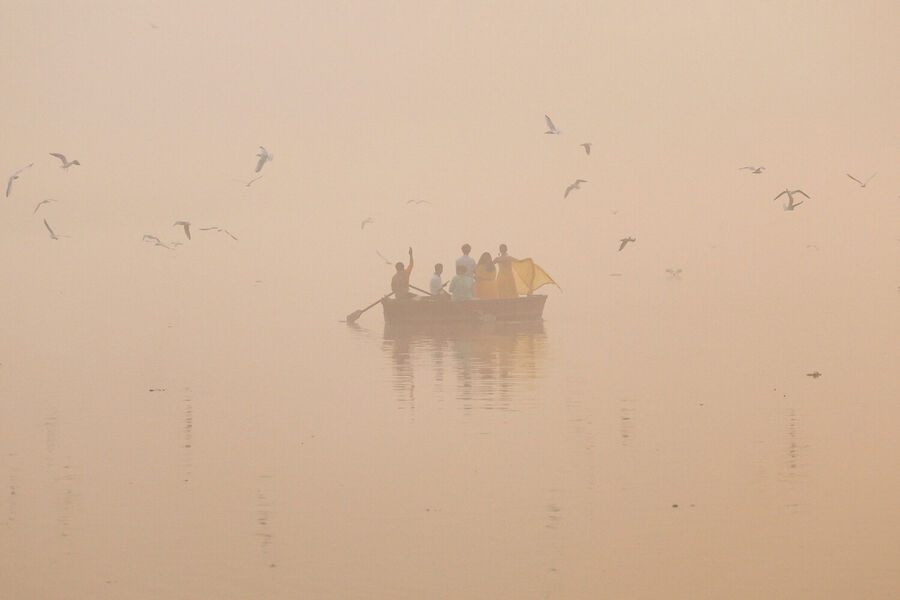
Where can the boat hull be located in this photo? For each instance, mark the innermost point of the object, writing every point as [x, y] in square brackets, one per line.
[441, 310]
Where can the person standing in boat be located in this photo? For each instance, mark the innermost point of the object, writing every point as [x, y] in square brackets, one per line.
[461, 285]
[400, 280]
[485, 277]
[467, 261]
[506, 281]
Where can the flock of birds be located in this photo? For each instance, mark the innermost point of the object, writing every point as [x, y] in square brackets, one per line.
[263, 156]
[791, 204]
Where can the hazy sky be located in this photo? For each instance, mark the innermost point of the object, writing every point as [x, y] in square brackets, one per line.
[368, 105]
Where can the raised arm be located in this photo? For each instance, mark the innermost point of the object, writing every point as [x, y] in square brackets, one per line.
[409, 268]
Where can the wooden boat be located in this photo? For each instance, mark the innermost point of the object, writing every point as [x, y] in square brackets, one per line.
[443, 310]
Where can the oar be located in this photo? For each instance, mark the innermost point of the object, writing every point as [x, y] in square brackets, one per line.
[352, 317]
[428, 293]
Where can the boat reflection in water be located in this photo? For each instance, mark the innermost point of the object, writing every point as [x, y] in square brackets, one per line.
[483, 365]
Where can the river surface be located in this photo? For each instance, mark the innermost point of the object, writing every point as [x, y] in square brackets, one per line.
[208, 439]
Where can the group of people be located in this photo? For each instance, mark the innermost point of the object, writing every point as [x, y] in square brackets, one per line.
[490, 277]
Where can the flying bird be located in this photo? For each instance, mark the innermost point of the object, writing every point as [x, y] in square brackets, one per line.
[186, 225]
[790, 194]
[13, 177]
[675, 273]
[249, 183]
[220, 230]
[587, 147]
[365, 222]
[861, 183]
[574, 186]
[53, 236]
[65, 163]
[42, 202]
[149, 238]
[814, 374]
[418, 202]
[624, 242]
[264, 157]
[381, 256]
[551, 128]
[753, 170]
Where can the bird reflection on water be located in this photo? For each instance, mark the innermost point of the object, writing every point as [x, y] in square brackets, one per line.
[482, 366]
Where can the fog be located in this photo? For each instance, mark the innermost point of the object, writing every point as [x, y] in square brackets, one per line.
[287, 454]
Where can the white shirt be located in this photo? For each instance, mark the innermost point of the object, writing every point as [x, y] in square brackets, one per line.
[435, 285]
[468, 262]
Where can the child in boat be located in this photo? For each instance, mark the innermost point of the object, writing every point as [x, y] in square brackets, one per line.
[461, 285]
[436, 286]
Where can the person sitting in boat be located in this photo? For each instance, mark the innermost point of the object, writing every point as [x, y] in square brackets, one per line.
[467, 261]
[400, 280]
[506, 281]
[485, 277]
[436, 286]
[461, 285]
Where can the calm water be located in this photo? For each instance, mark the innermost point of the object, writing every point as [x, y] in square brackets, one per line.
[639, 445]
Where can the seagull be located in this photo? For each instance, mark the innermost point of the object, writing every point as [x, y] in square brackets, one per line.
[249, 183]
[675, 273]
[624, 242]
[48, 200]
[587, 147]
[418, 202]
[551, 128]
[861, 183]
[365, 222]
[790, 194]
[186, 225]
[65, 163]
[814, 374]
[264, 156]
[219, 229]
[13, 177]
[159, 243]
[53, 236]
[150, 238]
[381, 256]
[574, 186]
[753, 170]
